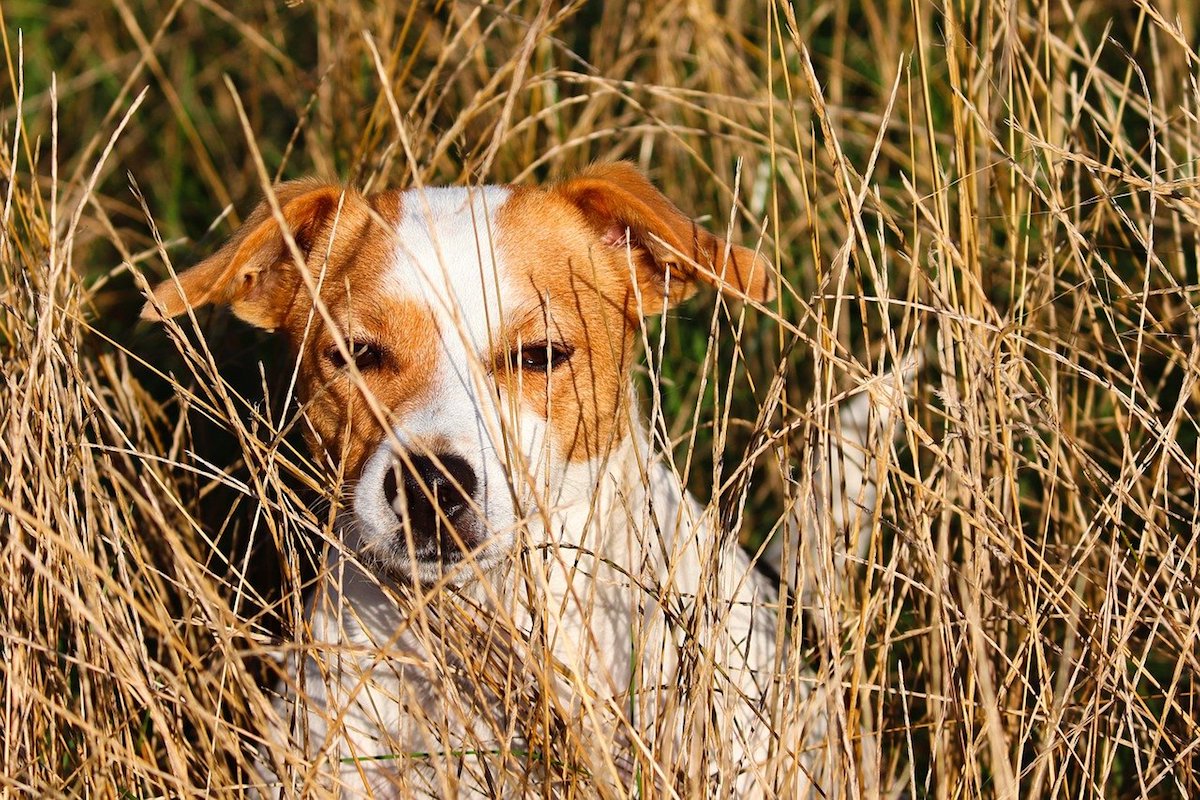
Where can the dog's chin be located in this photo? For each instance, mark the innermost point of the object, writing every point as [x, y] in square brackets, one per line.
[402, 556]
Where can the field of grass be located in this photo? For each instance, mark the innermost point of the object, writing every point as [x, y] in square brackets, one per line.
[1009, 189]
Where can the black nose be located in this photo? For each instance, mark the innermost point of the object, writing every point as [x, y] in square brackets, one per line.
[444, 482]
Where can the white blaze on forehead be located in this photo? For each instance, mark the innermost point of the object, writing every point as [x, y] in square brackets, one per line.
[446, 257]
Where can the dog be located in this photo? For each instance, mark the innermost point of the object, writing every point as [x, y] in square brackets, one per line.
[520, 577]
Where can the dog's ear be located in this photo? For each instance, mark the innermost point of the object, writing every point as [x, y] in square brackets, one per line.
[254, 272]
[671, 253]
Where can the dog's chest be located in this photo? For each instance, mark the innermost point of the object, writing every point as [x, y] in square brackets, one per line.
[587, 628]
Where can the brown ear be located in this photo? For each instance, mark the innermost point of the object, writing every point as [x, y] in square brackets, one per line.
[254, 271]
[619, 202]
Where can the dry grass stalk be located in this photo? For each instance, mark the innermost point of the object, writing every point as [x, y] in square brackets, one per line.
[1008, 188]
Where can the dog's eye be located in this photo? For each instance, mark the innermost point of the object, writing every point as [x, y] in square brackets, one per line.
[366, 356]
[542, 357]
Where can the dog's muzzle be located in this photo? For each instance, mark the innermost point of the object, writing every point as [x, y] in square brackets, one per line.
[433, 498]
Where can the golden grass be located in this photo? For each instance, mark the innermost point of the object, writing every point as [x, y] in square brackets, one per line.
[1009, 188]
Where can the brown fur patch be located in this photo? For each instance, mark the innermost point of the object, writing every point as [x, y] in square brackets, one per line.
[572, 289]
[621, 204]
[342, 417]
[348, 242]
[575, 252]
[406, 333]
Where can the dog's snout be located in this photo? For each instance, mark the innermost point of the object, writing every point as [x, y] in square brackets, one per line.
[423, 485]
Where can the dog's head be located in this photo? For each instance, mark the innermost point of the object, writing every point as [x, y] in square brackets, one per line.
[467, 366]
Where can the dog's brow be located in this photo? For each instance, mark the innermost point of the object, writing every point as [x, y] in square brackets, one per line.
[527, 313]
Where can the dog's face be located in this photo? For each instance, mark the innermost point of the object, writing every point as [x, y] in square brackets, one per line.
[467, 366]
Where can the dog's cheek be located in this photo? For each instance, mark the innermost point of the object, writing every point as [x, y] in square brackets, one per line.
[584, 408]
[339, 420]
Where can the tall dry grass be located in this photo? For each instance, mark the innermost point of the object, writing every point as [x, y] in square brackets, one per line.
[1008, 188]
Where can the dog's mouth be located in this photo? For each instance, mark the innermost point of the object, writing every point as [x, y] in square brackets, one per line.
[411, 554]
[434, 501]
[422, 518]
[447, 538]
[432, 540]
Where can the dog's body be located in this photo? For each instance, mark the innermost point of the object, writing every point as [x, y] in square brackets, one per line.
[580, 617]
[522, 578]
